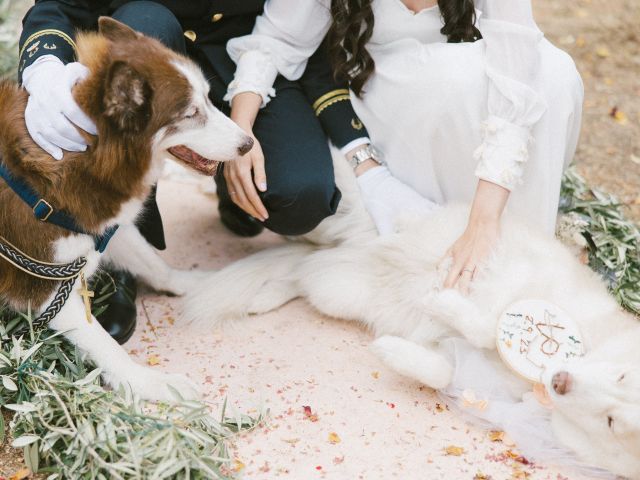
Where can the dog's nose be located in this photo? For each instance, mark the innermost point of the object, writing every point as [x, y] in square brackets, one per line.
[246, 146]
[561, 383]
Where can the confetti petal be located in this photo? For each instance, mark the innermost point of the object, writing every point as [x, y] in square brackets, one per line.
[454, 451]
[334, 438]
[238, 465]
[541, 394]
[153, 360]
[309, 415]
[20, 474]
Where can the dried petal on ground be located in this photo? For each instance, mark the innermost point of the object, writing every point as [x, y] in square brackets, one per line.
[454, 450]
[309, 415]
[496, 435]
[153, 359]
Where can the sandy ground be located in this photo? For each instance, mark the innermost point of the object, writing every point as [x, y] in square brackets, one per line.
[367, 422]
[603, 37]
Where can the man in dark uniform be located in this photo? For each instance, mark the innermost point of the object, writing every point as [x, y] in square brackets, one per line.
[291, 128]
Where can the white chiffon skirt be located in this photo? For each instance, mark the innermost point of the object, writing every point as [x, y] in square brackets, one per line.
[425, 106]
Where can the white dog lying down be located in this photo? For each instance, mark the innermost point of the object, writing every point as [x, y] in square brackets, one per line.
[392, 285]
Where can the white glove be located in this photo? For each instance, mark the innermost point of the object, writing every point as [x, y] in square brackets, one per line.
[51, 110]
[386, 199]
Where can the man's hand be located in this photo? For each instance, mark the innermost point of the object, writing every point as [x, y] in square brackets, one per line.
[52, 114]
[466, 255]
[243, 176]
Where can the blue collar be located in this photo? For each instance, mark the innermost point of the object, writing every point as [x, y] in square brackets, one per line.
[44, 212]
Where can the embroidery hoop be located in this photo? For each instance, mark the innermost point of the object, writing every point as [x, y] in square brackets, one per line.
[533, 335]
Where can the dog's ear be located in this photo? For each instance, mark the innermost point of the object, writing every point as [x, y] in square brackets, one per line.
[127, 98]
[115, 31]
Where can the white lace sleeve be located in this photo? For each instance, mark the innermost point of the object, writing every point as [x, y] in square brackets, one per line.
[284, 37]
[512, 60]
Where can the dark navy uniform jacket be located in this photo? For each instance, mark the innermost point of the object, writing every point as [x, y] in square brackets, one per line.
[49, 28]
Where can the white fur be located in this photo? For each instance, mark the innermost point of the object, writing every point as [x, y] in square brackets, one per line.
[393, 286]
[117, 367]
[199, 135]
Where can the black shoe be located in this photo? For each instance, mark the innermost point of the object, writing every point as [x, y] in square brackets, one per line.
[117, 312]
[239, 221]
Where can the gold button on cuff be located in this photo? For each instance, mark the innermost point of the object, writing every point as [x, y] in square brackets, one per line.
[191, 35]
[217, 17]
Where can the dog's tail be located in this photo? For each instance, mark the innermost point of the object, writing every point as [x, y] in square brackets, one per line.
[257, 284]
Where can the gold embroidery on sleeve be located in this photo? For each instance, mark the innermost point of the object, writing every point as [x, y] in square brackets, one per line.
[319, 104]
[27, 44]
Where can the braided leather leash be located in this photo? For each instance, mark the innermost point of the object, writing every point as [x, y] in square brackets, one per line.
[67, 273]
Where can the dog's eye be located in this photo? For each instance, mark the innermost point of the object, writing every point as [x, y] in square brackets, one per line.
[192, 112]
[610, 421]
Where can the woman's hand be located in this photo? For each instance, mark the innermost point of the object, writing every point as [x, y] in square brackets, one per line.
[246, 175]
[468, 253]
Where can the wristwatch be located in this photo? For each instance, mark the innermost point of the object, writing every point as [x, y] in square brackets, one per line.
[368, 152]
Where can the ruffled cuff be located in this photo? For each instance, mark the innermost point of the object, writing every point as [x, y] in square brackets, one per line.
[255, 73]
[503, 153]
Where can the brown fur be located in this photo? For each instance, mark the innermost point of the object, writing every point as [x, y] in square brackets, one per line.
[93, 185]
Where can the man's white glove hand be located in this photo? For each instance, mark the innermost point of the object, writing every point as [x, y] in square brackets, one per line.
[386, 199]
[51, 110]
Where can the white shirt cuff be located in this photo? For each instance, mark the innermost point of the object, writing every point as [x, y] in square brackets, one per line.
[503, 153]
[354, 144]
[255, 73]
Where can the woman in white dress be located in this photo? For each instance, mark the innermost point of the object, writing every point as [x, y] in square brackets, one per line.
[491, 122]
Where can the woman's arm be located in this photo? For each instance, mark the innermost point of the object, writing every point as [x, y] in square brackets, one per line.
[481, 234]
[247, 173]
[284, 37]
[512, 54]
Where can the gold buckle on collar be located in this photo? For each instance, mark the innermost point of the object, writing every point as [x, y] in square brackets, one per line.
[48, 205]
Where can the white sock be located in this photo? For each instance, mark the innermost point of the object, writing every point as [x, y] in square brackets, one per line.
[387, 198]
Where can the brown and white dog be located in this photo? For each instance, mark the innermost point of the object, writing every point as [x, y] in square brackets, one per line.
[148, 104]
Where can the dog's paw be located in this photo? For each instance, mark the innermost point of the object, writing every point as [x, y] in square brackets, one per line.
[181, 282]
[154, 385]
[388, 348]
[414, 361]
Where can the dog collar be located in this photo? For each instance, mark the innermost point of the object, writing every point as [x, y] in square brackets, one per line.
[45, 212]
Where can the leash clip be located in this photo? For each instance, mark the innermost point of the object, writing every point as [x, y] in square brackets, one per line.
[37, 210]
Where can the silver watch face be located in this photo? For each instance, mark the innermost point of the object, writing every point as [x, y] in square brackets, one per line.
[366, 153]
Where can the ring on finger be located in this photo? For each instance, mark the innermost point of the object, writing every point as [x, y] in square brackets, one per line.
[469, 270]
[233, 193]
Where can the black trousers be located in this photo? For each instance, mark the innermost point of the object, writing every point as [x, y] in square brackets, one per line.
[301, 185]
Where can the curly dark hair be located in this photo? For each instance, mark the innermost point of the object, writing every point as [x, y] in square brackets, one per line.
[352, 28]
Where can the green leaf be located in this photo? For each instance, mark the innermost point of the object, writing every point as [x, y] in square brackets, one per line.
[31, 457]
[24, 407]
[9, 384]
[24, 441]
